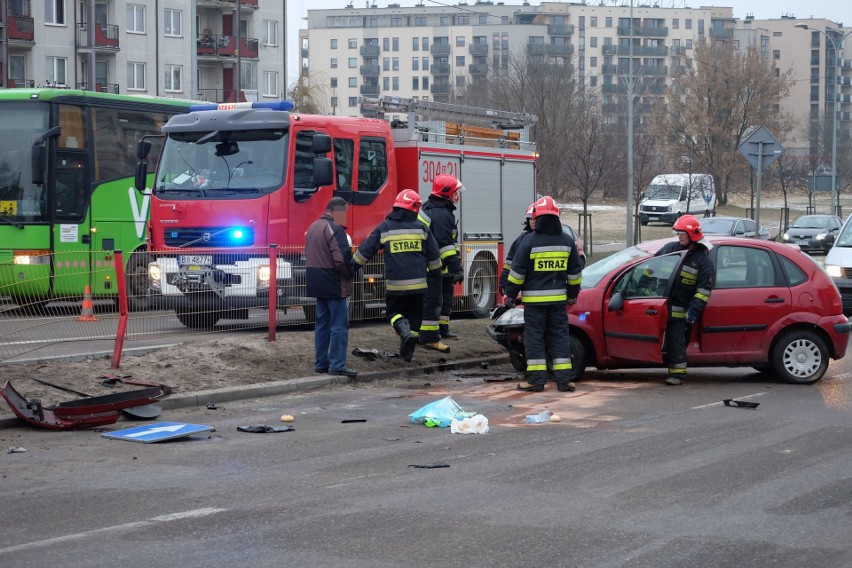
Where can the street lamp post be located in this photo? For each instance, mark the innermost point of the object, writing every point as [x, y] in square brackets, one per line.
[834, 196]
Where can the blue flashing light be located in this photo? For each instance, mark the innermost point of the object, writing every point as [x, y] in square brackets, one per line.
[286, 106]
[237, 234]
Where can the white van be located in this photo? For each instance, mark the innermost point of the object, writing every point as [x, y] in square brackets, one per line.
[669, 196]
[838, 264]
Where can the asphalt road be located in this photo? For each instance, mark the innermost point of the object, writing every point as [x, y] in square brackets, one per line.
[636, 474]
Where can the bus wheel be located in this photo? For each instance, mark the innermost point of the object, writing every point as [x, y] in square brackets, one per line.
[136, 282]
[194, 319]
[483, 288]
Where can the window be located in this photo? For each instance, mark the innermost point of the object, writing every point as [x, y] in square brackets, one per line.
[743, 267]
[386, 83]
[386, 44]
[173, 79]
[608, 22]
[593, 80]
[415, 44]
[248, 73]
[593, 61]
[648, 279]
[56, 70]
[415, 83]
[115, 135]
[172, 20]
[135, 76]
[333, 43]
[776, 54]
[593, 21]
[395, 44]
[333, 63]
[593, 41]
[303, 167]
[386, 64]
[353, 43]
[397, 22]
[415, 64]
[425, 43]
[582, 22]
[424, 82]
[333, 82]
[794, 274]
[419, 20]
[353, 81]
[135, 18]
[353, 101]
[334, 104]
[459, 60]
[270, 32]
[687, 23]
[425, 62]
[17, 68]
[344, 159]
[483, 19]
[353, 62]
[459, 41]
[445, 20]
[372, 164]
[675, 23]
[54, 11]
[460, 81]
[689, 44]
[395, 83]
[463, 20]
[700, 27]
[395, 64]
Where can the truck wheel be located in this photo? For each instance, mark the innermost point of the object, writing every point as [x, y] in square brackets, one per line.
[483, 288]
[198, 319]
[136, 282]
[800, 357]
[310, 311]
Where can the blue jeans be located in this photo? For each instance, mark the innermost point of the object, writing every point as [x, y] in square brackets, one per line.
[331, 333]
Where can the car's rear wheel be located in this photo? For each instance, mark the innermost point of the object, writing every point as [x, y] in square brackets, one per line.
[578, 357]
[800, 357]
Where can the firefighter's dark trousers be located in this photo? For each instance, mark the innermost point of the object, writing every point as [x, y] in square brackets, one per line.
[677, 336]
[546, 332]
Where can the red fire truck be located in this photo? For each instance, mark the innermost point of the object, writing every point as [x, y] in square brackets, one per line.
[235, 178]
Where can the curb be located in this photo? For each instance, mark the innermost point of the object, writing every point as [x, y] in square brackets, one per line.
[230, 394]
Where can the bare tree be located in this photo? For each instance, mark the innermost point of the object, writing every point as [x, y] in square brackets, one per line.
[716, 101]
[308, 94]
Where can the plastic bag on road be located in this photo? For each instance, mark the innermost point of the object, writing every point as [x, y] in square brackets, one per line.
[476, 424]
[439, 413]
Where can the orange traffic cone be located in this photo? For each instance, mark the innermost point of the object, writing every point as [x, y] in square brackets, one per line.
[88, 312]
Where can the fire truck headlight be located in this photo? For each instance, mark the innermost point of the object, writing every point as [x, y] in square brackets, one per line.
[263, 275]
[154, 272]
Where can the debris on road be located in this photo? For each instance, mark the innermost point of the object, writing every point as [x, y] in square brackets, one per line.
[740, 403]
[263, 429]
[439, 413]
[429, 465]
[15, 450]
[477, 424]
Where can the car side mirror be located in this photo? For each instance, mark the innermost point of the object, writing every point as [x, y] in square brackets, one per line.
[615, 303]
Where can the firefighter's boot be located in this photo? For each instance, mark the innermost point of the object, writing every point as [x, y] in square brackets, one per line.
[407, 341]
[437, 346]
[446, 333]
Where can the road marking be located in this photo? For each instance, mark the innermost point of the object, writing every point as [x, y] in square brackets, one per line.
[755, 395]
[193, 514]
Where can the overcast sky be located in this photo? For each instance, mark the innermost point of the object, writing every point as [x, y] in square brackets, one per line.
[837, 10]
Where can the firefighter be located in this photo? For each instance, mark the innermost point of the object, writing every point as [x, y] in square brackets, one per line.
[439, 215]
[689, 292]
[528, 225]
[410, 252]
[547, 271]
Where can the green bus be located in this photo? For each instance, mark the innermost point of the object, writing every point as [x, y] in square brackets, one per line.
[67, 197]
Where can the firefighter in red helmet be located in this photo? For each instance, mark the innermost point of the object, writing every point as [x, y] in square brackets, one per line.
[547, 271]
[689, 293]
[411, 257]
[439, 215]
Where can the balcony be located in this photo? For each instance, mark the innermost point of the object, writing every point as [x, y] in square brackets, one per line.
[440, 49]
[479, 49]
[609, 69]
[219, 95]
[370, 70]
[222, 46]
[537, 48]
[442, 89]
[370, 90]
[478, 68]
[644, 31]
[19, 30]
[560, 30]
[643, 50]
[560, 50]
[106, 37]
[646, 70]
[440, 69]
[613, 89]
[609, 49]
[369, 50]
[100, 87]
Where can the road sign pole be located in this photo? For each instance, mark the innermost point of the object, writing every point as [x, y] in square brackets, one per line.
[759, 184]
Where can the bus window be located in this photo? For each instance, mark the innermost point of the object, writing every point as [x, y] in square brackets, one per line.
[73, 134]
[72, 195]
[344, 153]
[116, 133]
[372, 165]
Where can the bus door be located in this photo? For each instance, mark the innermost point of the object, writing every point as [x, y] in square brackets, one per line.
[72, 236]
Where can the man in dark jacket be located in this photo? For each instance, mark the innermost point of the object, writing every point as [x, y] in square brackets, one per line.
[410, 252]
[689, 294]
[439, 215]
[547, 271]
[330, 269]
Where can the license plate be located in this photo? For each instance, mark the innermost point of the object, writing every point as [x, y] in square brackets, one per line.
[195, 260]
[653, 218]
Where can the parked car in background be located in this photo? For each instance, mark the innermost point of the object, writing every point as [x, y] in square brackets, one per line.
[577, 241]
[733, 227]
[813, 233]
[838, 264]
[772, 308]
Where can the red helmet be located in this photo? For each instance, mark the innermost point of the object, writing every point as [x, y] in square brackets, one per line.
[689, 225]
[447, 187]
[545, 206]
[408, 199]
[529, 213]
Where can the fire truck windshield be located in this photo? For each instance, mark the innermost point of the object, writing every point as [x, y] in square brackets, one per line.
[222, 163]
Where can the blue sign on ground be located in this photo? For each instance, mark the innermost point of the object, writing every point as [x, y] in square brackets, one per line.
[158, 432]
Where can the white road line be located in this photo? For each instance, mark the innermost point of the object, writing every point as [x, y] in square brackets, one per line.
[721, 403]
[195, 513]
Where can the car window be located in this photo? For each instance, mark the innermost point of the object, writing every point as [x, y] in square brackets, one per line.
[743, 267]
[648, 279]
[795, 275]
[844, 239]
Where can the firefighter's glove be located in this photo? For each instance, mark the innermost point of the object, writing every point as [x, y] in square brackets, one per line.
[572, 301]
[458, 277]
[691, 316]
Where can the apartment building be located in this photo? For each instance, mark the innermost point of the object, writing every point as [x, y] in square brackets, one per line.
[216, 50]
[426, 51]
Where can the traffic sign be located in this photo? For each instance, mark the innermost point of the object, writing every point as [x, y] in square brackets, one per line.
[761, 148]
[158, 432]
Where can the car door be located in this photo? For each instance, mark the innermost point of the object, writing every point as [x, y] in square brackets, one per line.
[634, 319]
[749, 295]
